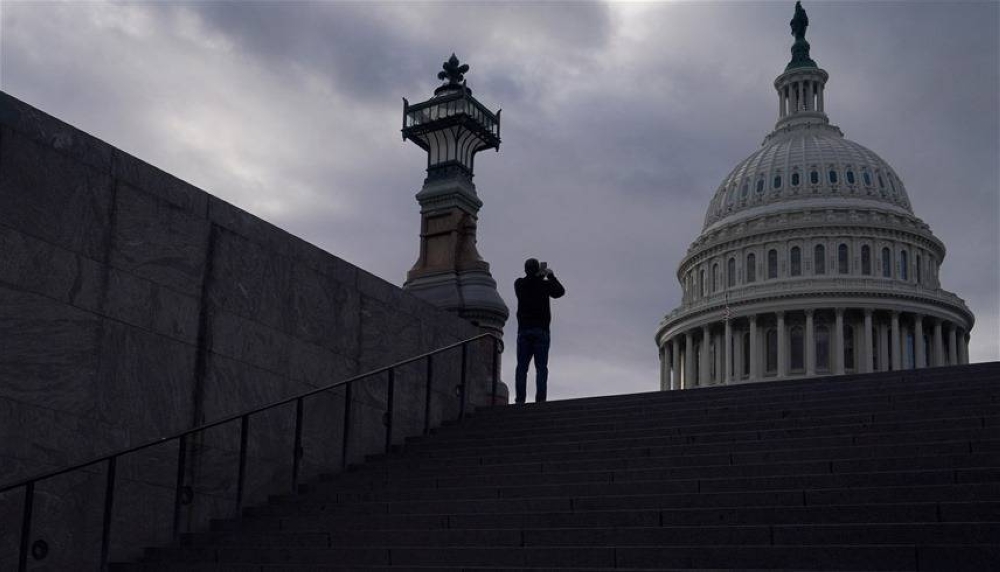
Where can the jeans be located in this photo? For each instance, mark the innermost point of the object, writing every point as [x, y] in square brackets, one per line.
[532, 343]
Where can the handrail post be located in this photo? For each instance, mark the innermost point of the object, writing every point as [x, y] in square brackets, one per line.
[29, 501]
[427, 396]
[181, 462]
[241, 479]
[465, 358]
[109, 502]
[347, 424]
[388, 409]
[297, 448]
[496, 371]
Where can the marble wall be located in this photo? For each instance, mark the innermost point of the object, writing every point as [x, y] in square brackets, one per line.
[134, 305]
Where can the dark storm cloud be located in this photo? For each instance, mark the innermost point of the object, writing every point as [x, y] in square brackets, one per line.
[619, 123]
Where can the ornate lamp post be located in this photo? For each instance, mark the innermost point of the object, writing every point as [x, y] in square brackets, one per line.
[452, 127]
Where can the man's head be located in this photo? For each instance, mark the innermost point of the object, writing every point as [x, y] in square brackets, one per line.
[531, 267]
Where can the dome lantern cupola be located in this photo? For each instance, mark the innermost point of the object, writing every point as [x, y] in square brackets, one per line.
[800, 87]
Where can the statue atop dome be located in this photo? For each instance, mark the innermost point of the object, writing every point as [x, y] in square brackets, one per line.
[799, 23]
[800, 49]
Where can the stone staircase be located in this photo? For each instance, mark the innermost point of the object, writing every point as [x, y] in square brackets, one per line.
[897, 471]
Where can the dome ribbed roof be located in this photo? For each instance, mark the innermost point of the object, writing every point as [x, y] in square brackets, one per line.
[802, 164]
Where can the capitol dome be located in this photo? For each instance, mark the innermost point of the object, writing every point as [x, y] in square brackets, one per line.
[811, 261]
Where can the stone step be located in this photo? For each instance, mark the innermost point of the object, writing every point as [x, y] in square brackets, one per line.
[657, 486]
[914, 513]
[711, 433]
[859, 435]
[987, 390]
[533, 474]
[769, 420]
[678, 499]
[871, 534]
[750, 453]
[813, 557]
[748, 394]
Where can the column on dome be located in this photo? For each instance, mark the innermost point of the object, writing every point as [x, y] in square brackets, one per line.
[808, 94]
[920, 359]
[754, 349]
[675, 361]
[867, 363]
[896, 362]
[838, 341]
[664, 368]
[810, 344]
[728, 369]
[883, 346]
[963, 348]
[938, 344]
[782, 346]
[719, 378]
[952, 345]
[904, 343]
[688, 381]
[703, 368]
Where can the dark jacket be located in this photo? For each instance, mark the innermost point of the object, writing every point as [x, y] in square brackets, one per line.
[533, 295]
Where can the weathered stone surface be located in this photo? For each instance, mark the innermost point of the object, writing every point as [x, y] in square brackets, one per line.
[145, 381]
[47, 352]
[175, 315]
[141, 175]
[158, 241]
[242, 223]
[129, 299]
[250, 281]
[251, 342]
[52, 133]
[33, 265]
[323, 311]
[318, 366]
[46, 195]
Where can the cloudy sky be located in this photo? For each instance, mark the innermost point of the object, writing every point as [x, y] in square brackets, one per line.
[619, 122]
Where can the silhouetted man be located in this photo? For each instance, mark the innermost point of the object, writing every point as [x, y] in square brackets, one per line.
[533, 317]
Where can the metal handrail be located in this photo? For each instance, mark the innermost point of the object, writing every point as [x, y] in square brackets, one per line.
[111, 458]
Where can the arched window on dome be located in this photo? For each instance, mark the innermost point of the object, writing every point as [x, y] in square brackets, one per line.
[903, 266]
[731, 272]
[715, 277]
[843, 259]
[881, 183]
[886, 263]
[798, 349]
[850, 177]
[731, 196]
[760, 185]
[795, 179]
[833, 177]
[819, 259]
[772, 352]
[822, 348]
[751, 268]
[814, 177]
[795, 256]
[777, 182]
[848, 347]
[892, 184]
[772, 263]
[866, 260]
[704, 283]
[867, 177]
[917, 271]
